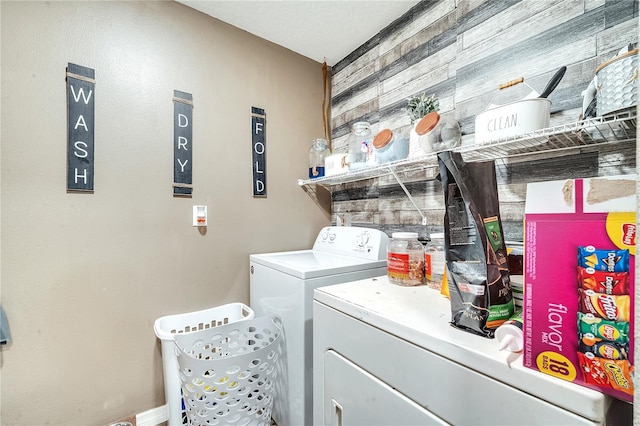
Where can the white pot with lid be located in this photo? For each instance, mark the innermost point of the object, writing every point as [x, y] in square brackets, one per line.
[528, 114]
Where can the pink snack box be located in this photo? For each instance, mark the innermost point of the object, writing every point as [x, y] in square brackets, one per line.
[579, 281]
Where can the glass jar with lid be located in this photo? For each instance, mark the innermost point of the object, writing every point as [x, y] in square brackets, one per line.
[390, 146]
[360, 146]
[317, 153]
[436, 133]
[405, 259]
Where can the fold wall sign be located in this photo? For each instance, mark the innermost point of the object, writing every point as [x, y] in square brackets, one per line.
[182, 144]
[259, 152]
[80, 127]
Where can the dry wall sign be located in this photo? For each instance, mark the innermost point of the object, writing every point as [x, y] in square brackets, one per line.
[80, 127]
[182, 144]
[259, 152]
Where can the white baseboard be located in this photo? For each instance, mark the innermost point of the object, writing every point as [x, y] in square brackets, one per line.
[152, 417]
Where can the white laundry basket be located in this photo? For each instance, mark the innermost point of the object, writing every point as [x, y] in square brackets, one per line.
[232, 375]
[171, 325]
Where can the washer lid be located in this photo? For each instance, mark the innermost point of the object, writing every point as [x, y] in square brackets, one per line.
[307, 264]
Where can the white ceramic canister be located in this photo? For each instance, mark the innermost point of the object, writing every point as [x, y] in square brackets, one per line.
[516, 118]
[414, 144]
[436, 133]
[405, 259]
[390, 146]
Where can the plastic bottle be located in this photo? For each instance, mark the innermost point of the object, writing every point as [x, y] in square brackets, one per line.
[405, 259]
[434, 261]
[509, 334]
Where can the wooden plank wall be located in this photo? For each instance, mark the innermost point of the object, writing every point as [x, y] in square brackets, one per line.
[461, 50]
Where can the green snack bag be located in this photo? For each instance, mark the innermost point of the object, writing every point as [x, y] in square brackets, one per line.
[600, 328]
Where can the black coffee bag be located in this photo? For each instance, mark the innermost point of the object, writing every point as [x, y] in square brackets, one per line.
[477, 266]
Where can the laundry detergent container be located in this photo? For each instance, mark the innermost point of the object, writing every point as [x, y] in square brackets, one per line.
[167, 327]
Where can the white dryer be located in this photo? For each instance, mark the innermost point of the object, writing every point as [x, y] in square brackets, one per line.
[283, 283]
[387, 355]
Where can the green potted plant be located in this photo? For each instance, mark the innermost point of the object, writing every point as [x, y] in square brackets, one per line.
[417, 107]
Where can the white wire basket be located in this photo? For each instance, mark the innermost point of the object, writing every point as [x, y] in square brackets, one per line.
[171, 325]
[233, 374]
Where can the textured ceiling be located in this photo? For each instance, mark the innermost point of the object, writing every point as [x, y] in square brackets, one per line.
[320, 30]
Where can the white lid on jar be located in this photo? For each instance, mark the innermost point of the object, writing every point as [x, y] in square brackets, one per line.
[404, 235]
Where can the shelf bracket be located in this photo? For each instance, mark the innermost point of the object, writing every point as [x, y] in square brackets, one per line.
[406, 191]
[321, 196]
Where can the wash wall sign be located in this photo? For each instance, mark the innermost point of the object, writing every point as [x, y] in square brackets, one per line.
[80, 127]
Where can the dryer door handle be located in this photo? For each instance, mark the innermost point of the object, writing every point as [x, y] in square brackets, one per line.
[337, 413]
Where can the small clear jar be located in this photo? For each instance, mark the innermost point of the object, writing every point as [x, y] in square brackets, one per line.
[437, 134]
[390, 146]
[434, 261]
[405, 259]
[360, 146]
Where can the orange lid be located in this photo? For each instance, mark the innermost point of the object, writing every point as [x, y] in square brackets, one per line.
[382, 139]
[427, 123]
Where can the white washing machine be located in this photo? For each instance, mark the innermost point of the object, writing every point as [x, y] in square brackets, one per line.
[387, 355]
[283, 283]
